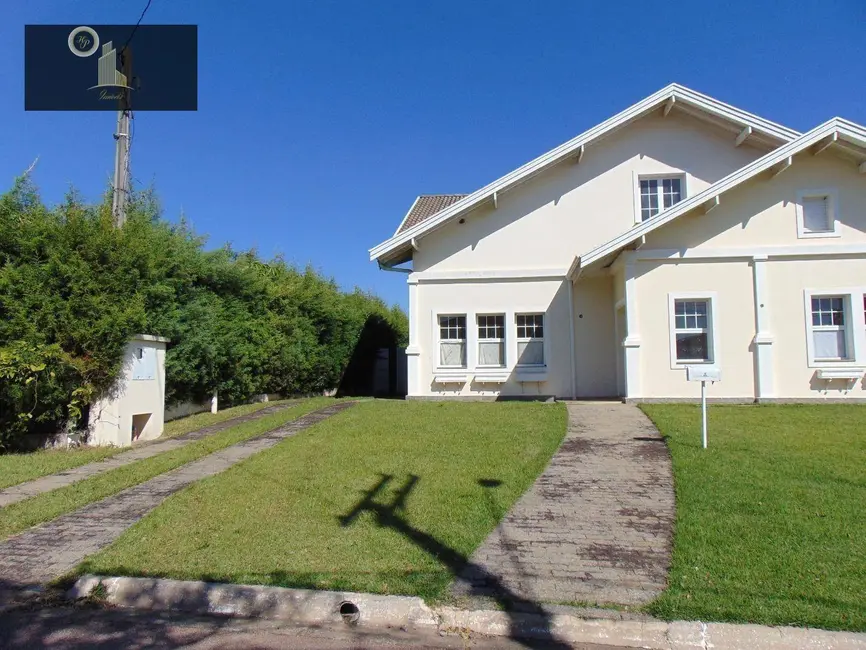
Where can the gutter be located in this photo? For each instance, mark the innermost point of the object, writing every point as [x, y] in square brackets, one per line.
[391, 267]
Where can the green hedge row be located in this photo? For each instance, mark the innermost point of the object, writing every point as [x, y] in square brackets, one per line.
[74, 289]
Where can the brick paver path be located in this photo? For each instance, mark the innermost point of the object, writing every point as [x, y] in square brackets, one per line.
[50, 550]
[144, 450]
[596, 526]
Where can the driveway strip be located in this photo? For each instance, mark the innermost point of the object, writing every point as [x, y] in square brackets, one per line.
[54, 548]
[597, 525]
[147, 449]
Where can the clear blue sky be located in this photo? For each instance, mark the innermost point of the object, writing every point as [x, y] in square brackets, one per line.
[320, 121]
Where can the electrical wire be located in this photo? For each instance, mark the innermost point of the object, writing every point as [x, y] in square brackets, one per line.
[134, 29]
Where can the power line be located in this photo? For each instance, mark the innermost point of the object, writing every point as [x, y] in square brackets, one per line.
[134, 29]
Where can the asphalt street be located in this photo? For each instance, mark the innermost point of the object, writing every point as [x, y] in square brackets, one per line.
[93, 627]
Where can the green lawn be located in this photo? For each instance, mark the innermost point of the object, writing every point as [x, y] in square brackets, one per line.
[18, 468]
[771, 518]
[22, 515]
[284, 517]
[201, 420]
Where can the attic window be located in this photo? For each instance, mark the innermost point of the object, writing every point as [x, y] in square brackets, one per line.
[816, 213]
[659, 193]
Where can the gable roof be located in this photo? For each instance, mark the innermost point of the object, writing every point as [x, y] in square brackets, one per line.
[400, 244]
[842, 133]
[424, 207]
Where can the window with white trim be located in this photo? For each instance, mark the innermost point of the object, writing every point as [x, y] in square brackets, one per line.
[816, 213]
[692, 331]
[657, 194]
[530, 339]
[491, 340]
[830, 339]
[452, 341]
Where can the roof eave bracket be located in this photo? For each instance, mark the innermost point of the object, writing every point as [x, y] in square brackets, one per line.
[669, 105]
[785, 164]
[745, 133]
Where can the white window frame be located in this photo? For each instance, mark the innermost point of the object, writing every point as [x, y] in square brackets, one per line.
[712, 300]
[526, 339]
[502, 341]
[439, 341]
[855, 327]
[684, 190]
[832, 196]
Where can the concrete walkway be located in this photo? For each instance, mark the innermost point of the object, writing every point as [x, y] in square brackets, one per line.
[596, 526]
[141, 451]
[54, 548]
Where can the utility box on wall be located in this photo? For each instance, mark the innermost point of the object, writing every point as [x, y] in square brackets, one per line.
[136, 407]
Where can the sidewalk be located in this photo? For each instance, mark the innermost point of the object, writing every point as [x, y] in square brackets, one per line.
[595, 527]
[144, 450]
[52, 549]
[558, 627]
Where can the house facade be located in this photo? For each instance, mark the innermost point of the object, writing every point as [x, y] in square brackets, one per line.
[681, 232]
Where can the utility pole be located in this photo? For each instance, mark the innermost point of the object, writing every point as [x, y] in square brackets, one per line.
[121, 136]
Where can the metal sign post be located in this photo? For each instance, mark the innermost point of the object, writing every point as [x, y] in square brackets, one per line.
[703, 374]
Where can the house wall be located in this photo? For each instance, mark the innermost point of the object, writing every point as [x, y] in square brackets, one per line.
[112, 417]
[546, 221]
[734, 314]
[762, 211]
[595, 337]
[549, 296]
[751, 240]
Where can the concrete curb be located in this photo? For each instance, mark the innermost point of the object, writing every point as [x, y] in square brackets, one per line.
[309, 607]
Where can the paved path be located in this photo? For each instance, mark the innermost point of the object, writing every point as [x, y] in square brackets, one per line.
[50, 550]
[143, 450]
[596, 526]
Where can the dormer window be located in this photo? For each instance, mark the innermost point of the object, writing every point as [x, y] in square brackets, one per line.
[659, 193]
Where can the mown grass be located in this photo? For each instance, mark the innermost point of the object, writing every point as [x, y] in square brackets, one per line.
[189, 423]
[279, 517]
[19, 468]
[22, 515]
[771, 526]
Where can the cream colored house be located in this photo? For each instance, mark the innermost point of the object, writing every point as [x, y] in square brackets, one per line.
[135, 409]
[680, 232]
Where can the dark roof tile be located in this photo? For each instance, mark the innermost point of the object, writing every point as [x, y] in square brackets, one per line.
[426, 206]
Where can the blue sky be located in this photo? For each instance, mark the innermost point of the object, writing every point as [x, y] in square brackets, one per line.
[320, 121]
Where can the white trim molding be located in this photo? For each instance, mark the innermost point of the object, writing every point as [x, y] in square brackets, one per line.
[712, 300]
[831, 195]
[632, 340]
[504, 275]
[763, 341]
[796, 251]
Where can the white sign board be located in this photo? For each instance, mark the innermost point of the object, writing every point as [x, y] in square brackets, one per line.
[703, 373]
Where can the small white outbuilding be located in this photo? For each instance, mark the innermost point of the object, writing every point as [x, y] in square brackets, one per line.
[135, 408]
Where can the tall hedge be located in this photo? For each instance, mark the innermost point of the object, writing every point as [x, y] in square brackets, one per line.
[74, 289]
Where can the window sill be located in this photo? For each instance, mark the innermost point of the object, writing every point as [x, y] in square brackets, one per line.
[830, 234]
[490, 378]
[681, 364]
[841, 373]
[531, 373]
[450, 375]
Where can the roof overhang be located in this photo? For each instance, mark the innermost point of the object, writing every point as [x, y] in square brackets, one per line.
[847, 139]
[670, 97]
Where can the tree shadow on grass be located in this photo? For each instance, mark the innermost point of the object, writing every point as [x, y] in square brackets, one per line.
[519, 609]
